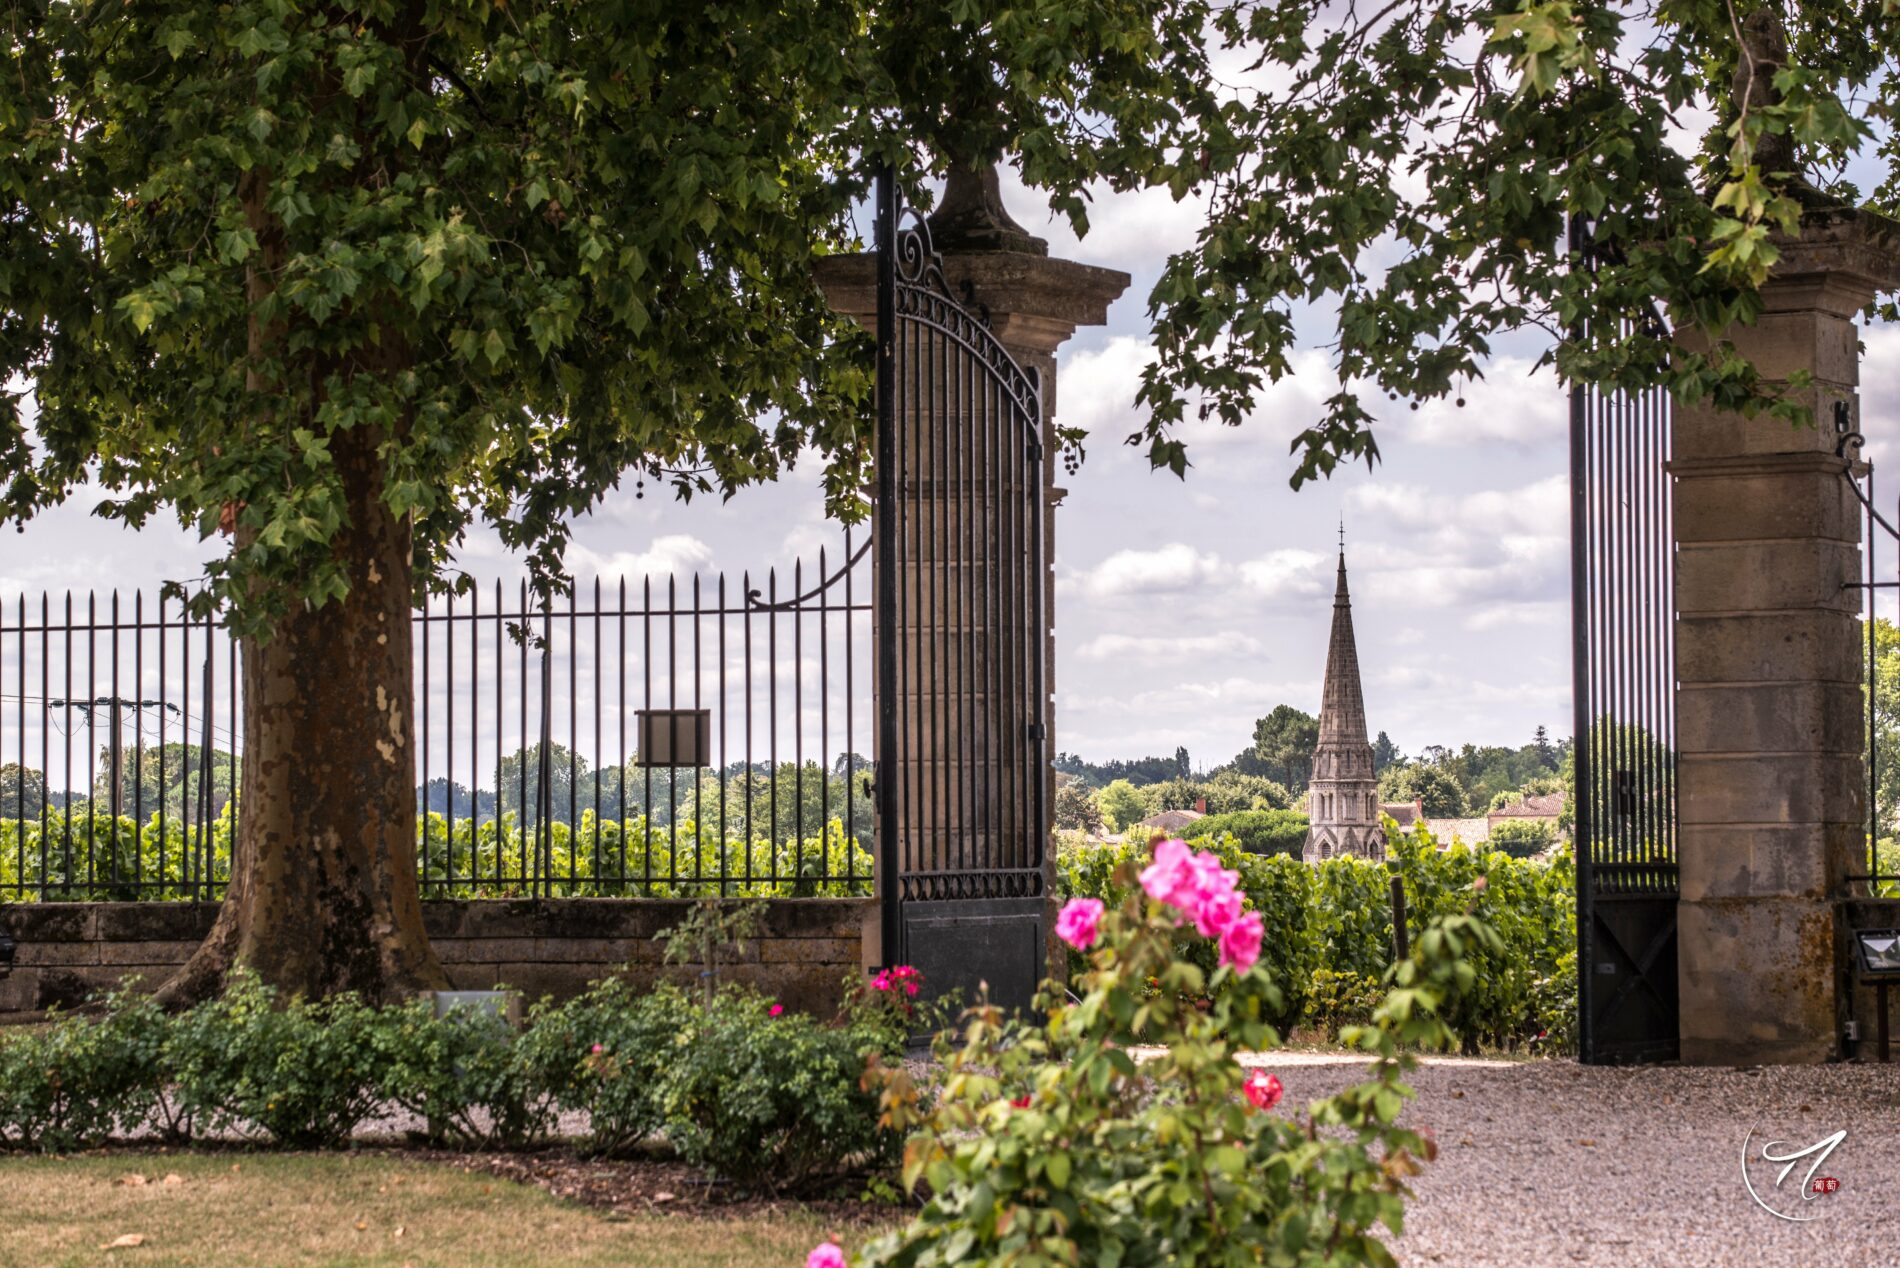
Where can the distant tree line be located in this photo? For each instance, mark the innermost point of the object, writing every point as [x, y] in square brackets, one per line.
[1273, 771]
[759, 801]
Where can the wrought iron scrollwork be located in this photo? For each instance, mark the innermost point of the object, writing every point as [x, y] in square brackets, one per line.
[755, 601]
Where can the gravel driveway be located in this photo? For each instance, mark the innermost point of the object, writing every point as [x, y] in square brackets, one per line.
[1550, 1162]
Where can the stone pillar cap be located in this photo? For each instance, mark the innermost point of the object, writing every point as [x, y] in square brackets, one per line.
[1033, 301]
[1843, 259]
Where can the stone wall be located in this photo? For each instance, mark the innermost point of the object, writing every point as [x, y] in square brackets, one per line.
[67, 951]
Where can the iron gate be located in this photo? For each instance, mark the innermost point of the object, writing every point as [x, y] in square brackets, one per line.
[962, 769]
[1624, 681]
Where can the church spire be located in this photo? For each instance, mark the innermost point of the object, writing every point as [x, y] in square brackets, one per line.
[1342, 799]
[1342, 710]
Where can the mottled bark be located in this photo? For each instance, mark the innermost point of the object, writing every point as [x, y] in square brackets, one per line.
[323, 894]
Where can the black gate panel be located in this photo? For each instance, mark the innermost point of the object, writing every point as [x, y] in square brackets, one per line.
[961, 631]
[1624, 683]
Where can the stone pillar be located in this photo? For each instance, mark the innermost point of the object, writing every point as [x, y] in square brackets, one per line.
[1769, 660]
[1033, 304]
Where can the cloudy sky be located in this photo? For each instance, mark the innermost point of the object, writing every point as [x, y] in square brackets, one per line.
[1186, 609]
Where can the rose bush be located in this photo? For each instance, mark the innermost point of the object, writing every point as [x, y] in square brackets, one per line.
[1331, 927]
[1060, 1141]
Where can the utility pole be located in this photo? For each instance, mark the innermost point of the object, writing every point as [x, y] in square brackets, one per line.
[115, 707]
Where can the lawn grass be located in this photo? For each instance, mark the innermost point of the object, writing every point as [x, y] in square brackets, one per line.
[341, 1209]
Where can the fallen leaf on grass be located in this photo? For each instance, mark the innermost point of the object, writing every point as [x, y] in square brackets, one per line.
[361, 1225]
[663, 1197]
[126, 1242]
[1588, 1144]
[399, 1230]
[132, 1181]
[173, 1178]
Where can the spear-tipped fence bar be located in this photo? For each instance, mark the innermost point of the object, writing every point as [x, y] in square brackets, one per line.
[121, 740]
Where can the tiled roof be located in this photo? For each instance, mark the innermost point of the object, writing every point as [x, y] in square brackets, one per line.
[1171, 819]
[1403, 813]
[1535, 806]
[1469, 831]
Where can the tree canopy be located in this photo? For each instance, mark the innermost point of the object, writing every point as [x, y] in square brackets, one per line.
[344, 279]
[519, 249]
[1403, 171]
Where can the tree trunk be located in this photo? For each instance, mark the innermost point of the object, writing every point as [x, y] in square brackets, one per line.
[323, 895]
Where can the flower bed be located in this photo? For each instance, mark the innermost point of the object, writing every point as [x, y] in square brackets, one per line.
[1049, 1143]
[764, 1098]
[1329, 931]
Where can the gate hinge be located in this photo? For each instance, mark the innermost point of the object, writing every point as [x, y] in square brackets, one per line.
[1034, 449]
[1037, 730]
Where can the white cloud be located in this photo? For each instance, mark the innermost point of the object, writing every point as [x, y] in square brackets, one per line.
[1096, 392]
[674, 554]
[1538, 614]
[1133, 232]
[1512, 404]
[1507, 545]
[1286, 574]
[1151, 647]
[1880, 391]
[1165, 570]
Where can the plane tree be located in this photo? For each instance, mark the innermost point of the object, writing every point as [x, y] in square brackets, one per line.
[337, 281]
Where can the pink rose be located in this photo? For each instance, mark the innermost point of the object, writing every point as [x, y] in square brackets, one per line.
[775, 1010]
[882, 982]
[598, 1050]
[1263, 1090]
[1216, 902]
[1170, 874]
[1240, 941]
[827, 1255]
[1079, 922]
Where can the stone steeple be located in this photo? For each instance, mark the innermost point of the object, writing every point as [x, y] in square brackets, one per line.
[1342, 799]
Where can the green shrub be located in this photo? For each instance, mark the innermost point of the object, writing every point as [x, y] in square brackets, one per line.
[56, 1088]
[1522, 838]
[1336, 916]
[1258, 831]
[302, 1073]
[606, 1052]
[91, 857]
[1339, 1000]
[465, 1075]
[774, 1104]
[1052, 1146]
[82, 1078]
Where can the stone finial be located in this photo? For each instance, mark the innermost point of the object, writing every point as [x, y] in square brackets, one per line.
[971, 215]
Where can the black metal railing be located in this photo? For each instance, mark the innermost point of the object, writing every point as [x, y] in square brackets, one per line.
[675, 735]
[1623, 603]
[1881, 877]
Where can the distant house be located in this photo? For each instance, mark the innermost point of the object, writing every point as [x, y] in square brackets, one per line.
[1411, 814]
[1538, 807]
[1406, 814]
[1171, 820]
[1469, 831]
